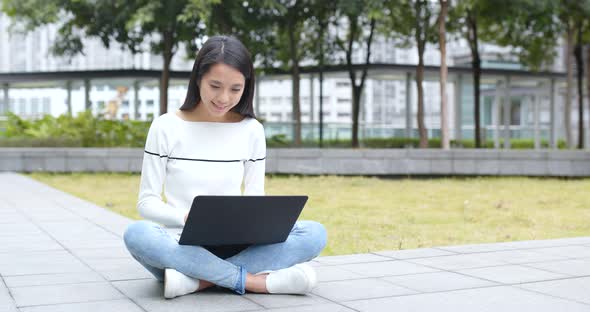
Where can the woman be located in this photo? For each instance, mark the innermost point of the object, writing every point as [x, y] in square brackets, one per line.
[209, 147]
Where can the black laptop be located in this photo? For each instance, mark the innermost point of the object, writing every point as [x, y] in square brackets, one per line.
[240, 220]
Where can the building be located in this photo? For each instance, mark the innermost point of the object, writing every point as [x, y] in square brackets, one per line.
[388, 103]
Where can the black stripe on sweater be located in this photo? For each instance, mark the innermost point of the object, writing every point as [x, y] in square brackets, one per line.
[207, 160]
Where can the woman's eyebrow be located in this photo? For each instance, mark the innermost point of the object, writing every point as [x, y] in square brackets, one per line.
[219, 82]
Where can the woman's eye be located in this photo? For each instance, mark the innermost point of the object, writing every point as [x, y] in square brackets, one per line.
[215, 87]
[234, 90]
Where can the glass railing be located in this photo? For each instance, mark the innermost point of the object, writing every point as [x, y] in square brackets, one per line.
[334, 131]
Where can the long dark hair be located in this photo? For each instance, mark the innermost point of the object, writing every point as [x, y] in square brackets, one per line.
[230, 51]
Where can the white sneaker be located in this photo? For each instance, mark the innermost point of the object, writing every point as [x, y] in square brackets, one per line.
[298, 279]
[177, 284]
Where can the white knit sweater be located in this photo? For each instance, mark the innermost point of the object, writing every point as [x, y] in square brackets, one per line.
[190, 158]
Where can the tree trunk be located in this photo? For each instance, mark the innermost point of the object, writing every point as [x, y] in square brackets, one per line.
[321, 74]
[580, 77]
[444, 118]
[569, 82]
[165, 77]
[420, 88]
[588, 77]
[295, 82]
[356, 103]
[476, 64]
[420, 37]
[357, 90]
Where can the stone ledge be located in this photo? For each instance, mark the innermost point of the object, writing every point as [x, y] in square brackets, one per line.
[315, 161]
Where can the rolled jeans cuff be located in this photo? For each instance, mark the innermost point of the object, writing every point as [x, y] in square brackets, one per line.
[240, 286]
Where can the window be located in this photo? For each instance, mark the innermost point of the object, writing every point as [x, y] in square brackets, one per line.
[150, 116]
[34, 105]
[46, 105]
[125, 103]
[100, 105]
[342, 84]
[22, 104]
[341, 114]
[276, 115]
[276, 100]
[149, 103]
[343, 101]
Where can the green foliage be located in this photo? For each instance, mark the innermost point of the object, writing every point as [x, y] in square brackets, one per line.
[83, 130]
[527, 26]
[280, 141]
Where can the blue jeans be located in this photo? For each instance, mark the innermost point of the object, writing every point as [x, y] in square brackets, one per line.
[156, 249]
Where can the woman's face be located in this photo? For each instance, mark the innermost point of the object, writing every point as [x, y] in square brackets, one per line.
[221, 89]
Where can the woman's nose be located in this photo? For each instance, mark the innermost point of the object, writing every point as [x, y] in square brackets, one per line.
[223, 97]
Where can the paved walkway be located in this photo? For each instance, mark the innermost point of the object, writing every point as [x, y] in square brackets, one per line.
[60, 253]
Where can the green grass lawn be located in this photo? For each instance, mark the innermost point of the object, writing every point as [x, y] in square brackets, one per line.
[369, 214]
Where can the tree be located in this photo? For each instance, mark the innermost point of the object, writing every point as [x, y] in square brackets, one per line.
[360, 17]
[580, 13]
[322, 16]
[539, 23]
[161, 26]
[251, 23]
[442, 33]
[290, 26]
[413, 21]
[525, 25]
[588, 76]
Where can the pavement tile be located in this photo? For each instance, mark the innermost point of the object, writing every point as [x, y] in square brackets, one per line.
[331, 307]
[142, 288]
[458, 262]
[12, 218]
[208, 301]
[16, 246]
[566, 251]
[92, 244]
[102, 253]
[574, 267]
[386, 268]
[98, 306]
[414, 253]
[521, 256]
[437, 281]
[490, 299]
[346, 259]
[67, 293]
[101, 265]
[512, 274]
[572, 288]
[7, 304]
[41, 263]
[52, 279]
[358, 289]
[335, 273]
[126, 274]
[279, 301]
[77, 230]
[12, 229]
[474, 248]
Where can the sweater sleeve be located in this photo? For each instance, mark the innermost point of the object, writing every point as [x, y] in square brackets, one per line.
[254, 168]
[153, 174]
